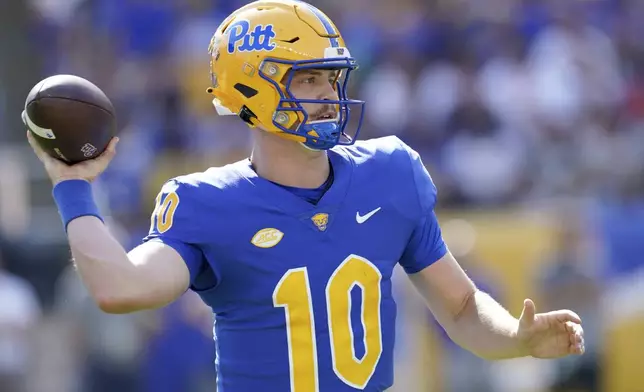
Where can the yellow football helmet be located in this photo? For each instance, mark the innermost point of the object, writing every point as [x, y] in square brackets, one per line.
[254, 55]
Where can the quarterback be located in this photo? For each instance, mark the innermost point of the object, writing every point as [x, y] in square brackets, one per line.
[294, 247]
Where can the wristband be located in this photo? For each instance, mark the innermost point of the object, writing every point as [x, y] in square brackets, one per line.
[74, 199]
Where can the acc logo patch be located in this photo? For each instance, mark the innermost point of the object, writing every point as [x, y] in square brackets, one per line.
[267, 238]
[320, 220]
[261, 38]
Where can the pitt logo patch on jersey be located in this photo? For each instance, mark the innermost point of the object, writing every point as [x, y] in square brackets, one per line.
[261, 38]
[320, 220]
[267, 238]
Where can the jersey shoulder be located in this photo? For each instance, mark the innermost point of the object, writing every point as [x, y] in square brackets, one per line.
[388, 150]
[388, 156]
[394, 165]
[204, 185]
[185, 202]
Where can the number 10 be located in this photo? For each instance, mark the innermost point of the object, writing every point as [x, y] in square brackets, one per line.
[293, 293]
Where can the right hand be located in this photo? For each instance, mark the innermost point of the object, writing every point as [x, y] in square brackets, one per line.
[59, 171]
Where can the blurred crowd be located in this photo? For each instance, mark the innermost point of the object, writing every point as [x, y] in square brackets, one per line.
[528, 105]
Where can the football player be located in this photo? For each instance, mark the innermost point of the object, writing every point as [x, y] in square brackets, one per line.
[294, 247]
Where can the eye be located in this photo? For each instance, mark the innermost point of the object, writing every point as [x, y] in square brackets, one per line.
[308, 80]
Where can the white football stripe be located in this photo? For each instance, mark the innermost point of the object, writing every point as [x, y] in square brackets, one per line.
[40, 131]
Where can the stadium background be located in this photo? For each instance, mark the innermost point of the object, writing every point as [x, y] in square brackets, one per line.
[529, 115]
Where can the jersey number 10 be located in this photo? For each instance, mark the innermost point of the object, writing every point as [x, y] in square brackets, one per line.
[293, 293]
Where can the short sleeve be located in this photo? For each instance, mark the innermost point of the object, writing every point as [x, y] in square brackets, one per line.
[426, 244]
[173, 223]
[425, 247]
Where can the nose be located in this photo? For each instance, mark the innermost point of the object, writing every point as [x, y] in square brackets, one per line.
[329, 92]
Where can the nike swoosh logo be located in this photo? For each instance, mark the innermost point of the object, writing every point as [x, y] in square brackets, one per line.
[362, 219]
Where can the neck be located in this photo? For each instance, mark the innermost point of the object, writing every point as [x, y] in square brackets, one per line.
[288, 163]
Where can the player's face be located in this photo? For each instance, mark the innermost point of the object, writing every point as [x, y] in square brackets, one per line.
[316, 84]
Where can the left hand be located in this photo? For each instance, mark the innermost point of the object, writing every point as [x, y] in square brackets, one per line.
[550, 335]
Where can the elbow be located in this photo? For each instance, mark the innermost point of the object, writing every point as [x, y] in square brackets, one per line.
[112, 304]
[466, 308]
[115, 303]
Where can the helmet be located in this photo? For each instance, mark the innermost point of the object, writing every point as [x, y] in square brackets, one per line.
[254, 54]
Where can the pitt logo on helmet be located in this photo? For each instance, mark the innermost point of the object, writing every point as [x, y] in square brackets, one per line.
[261, 38]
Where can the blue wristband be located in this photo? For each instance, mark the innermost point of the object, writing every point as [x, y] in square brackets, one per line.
[74, 199]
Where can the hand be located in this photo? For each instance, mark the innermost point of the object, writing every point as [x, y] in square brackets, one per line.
[550, 335]
[87, 170]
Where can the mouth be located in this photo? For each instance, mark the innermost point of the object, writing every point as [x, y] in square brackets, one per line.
[325, 116]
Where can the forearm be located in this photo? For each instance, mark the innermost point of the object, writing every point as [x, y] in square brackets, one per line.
[485, 328]
[103, 265]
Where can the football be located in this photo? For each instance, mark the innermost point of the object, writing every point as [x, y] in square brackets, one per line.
[70, 117]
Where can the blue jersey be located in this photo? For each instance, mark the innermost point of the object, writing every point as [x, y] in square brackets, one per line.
[301, 291]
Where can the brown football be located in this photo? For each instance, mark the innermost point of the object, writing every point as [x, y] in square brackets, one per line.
[71, 118]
